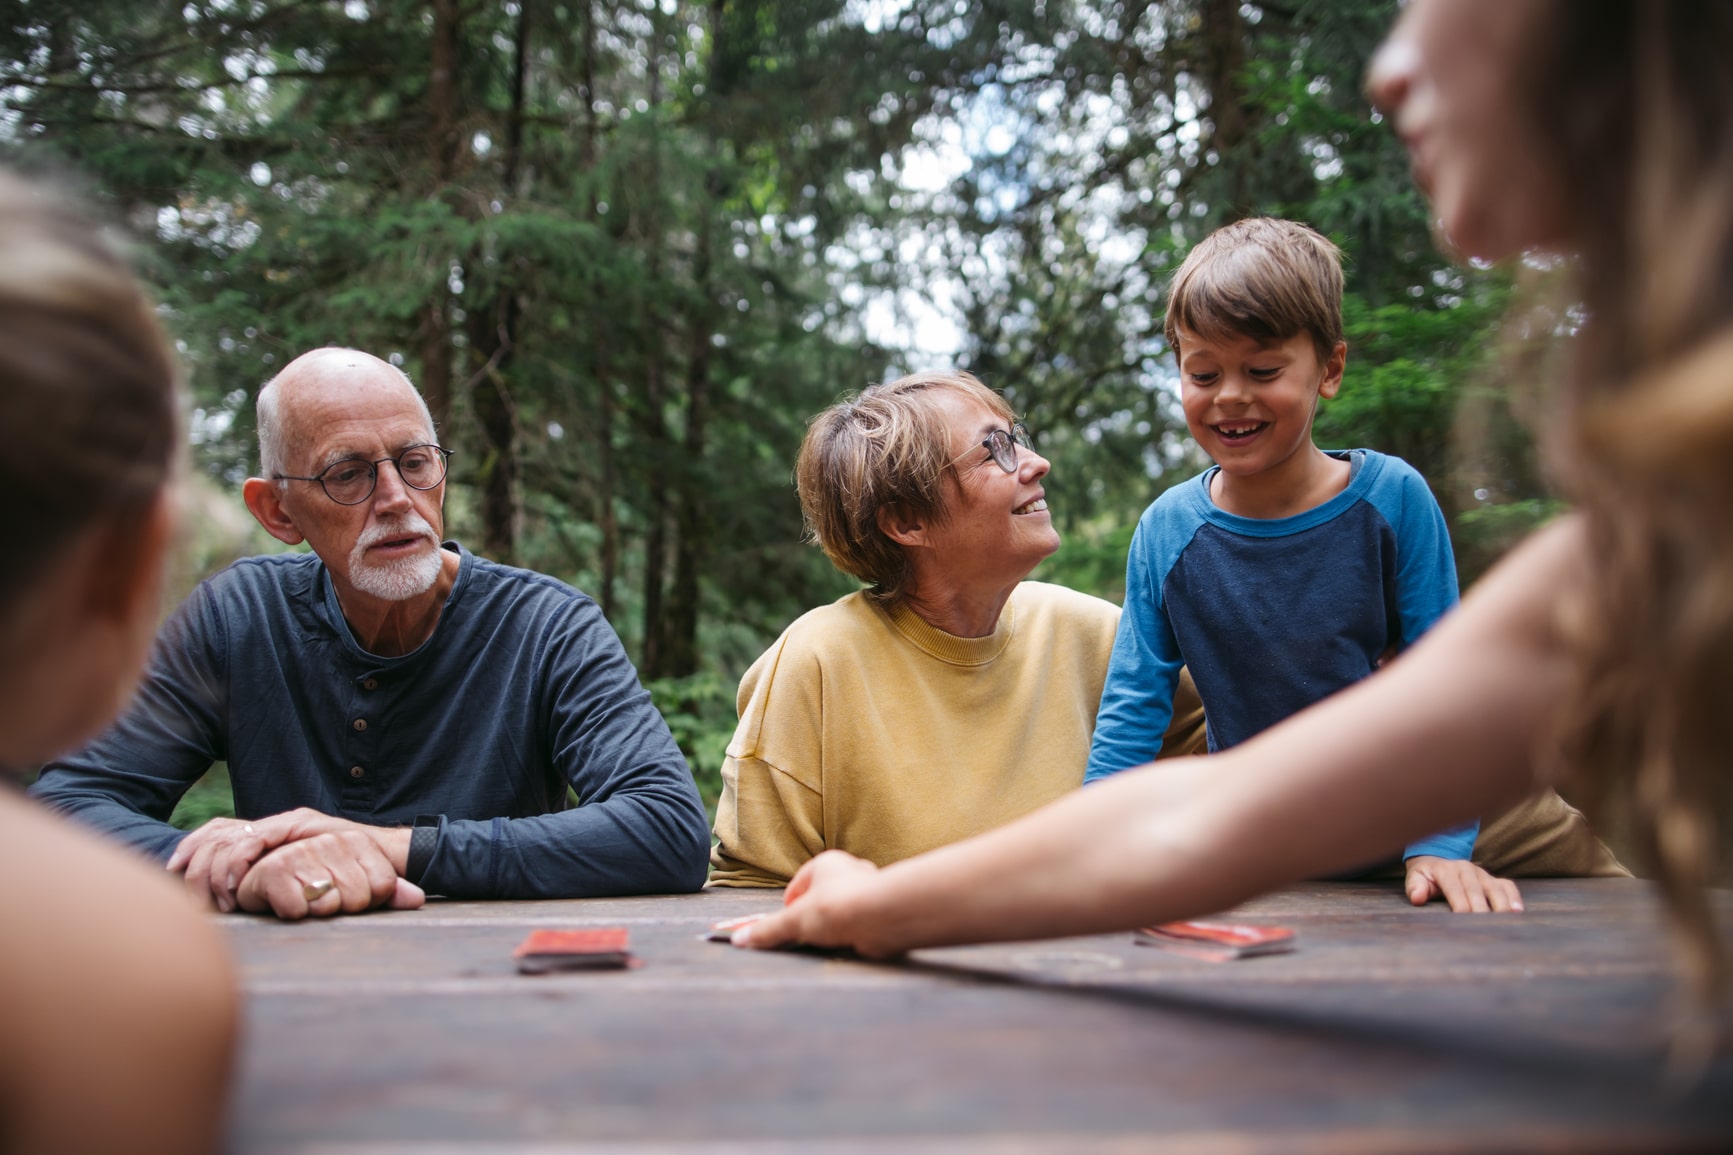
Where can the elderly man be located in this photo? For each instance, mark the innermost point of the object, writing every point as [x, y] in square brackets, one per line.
[398, 716]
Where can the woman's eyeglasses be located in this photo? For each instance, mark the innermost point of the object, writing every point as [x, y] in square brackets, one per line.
[1002, 446]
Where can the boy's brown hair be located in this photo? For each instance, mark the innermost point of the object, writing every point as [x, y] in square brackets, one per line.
[1263, 278]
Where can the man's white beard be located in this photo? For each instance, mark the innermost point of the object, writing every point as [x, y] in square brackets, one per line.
[402, 578]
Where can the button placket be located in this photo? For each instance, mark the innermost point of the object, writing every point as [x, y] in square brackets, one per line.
[360, 772]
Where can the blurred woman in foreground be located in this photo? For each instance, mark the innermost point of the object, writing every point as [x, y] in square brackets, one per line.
[118, 998]
[1601, 648]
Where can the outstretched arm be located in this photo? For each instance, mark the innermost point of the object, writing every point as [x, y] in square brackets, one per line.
[1448, 732]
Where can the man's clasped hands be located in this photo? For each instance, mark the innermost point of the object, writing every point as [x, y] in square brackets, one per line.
[297, 864]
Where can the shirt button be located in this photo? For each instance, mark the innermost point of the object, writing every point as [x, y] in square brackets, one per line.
[370, 684]
[357, 772]
[359, 723]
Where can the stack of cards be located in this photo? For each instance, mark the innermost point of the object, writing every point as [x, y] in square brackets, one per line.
[573, 950]
[724, 931]
[1217, 941]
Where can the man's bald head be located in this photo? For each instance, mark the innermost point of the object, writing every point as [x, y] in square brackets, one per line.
[321, 372]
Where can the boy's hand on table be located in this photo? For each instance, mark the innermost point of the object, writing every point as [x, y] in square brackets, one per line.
[1461, 883]
[818, 907]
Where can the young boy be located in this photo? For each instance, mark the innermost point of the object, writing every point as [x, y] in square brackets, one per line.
[1284, 573]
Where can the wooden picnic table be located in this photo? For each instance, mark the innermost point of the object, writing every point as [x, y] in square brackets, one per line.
[1390, 1029]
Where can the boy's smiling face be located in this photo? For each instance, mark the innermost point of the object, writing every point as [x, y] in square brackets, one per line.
[1250, 403]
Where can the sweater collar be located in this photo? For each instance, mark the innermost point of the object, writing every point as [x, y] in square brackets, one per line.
[948, 647]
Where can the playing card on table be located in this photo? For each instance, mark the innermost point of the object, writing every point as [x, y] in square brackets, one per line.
[724, 931]
[1217, 941]
[597, 948]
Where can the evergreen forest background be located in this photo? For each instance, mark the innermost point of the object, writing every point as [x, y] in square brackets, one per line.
[628, 248]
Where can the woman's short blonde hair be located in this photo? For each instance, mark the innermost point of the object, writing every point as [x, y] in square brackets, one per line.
[888, 447]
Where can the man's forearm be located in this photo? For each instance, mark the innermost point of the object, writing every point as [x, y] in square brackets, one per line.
[90, 800]
[647, 842]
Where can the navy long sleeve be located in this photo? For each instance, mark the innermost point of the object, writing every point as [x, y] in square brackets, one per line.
[522, 690]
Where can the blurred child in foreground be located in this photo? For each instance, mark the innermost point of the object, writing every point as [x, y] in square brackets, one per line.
[119, 1000]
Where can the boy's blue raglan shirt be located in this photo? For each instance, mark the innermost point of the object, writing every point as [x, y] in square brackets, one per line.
[1272, 615]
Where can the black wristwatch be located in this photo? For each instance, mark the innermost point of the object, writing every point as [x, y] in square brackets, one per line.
[423, 838]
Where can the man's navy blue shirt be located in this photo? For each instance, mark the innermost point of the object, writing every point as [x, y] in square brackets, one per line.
[522, 690]
[1272, 615]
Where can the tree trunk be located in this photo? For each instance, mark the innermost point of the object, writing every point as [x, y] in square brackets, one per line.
[435, 380]
[692, 546]
[490, 345]
[436, 358]
[1225, 60]
[606, 518]
[492, 340]
[655, 423]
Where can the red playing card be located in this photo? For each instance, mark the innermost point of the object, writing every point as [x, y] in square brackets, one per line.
[558, 950]
[1217, 941]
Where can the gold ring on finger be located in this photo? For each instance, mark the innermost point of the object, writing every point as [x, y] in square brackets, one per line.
[314, 891]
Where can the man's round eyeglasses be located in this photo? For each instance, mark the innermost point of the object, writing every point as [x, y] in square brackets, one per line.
[351, 480]
[1003, 445]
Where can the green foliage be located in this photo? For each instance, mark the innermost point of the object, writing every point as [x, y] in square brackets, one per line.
[1483, 533]
[700, 711]
[1401, 390]
[210, 797]
[1092, 559]
[628, 249]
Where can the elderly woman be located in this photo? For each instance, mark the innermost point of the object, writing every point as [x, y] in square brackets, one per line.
[948, 697]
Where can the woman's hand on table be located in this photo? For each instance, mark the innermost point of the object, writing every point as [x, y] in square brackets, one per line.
[822, 908]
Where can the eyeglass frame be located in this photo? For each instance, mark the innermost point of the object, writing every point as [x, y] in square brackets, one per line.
[1002, 445]
[373, 472]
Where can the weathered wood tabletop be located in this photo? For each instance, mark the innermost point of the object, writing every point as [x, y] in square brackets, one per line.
[1390, 1029]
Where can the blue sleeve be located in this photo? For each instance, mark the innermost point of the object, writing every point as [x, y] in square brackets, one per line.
[126, 783]
[1425, 591]
[1457, 842]
[1425, 563]
[639, 827]
[1137, 699]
